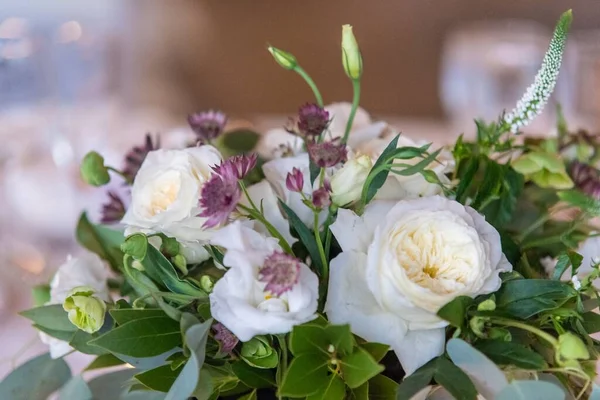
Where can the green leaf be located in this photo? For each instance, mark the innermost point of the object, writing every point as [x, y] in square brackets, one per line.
[382, 388]
[412, 384]
[591, 322]
[40, 295]
[188, 382]
[531, 390]
[80, 342]
[75, 389]
[379, 179]
[249, 396]
[105, 242]
[466, 179]
[524, 298]
[113, 385]
[37, 379]
[125, 315]
[160, 379]
[362, 392]
[582, 201]
[60, 335]
[454, 380]
[333, 390]
[455, 312]
[359, 367]
[135, 245]
[564, 261]
[418, 167]
[253, 377]
[53, 317]
[316, 339]
[146, 363]
[490, 187]
[142, 337]
[511, 353]
[376, 350]
[306, 236]
[340, 336]
[161, 270]
[305, 376]
[103, 361]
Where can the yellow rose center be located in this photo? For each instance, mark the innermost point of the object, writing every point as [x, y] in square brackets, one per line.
[164, 194]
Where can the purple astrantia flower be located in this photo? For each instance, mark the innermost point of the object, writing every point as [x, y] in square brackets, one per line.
[586, 178]
[207, 125]
[238, 166]
[114, 210]
[321, 198]
[327, 154]
[312, 120]
[226, 339]
[280, 272]
[219, 196]
[295, 180]
[136, 156]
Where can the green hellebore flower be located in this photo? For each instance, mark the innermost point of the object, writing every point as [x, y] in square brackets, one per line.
[545, 169]
[93, 171]
[85, 310]
[570, 348]
[258, 353]
[351, 57]
[135, 245]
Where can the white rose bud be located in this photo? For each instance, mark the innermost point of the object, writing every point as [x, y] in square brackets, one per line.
[347, 183]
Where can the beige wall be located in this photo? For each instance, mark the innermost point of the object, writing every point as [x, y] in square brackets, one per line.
[192, 54]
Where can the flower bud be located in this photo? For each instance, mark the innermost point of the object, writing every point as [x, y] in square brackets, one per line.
[351, 57]
[545, 170]
[258, 353]
[85, 310]
[347, 183]
[571, 347]
[135, 245]
[477, 325]
[487, 305]
[207, 283]
[169, 246]
[294, 181]
[93, 171]
[180, 262]
[283, 58]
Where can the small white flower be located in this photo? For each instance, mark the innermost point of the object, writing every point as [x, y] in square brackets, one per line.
[165, 197]
[576, 282]
[85, 270]
[247, 299]
[401, 262]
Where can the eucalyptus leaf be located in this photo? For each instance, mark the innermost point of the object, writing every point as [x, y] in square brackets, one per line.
[54, 317]
[37, 379]
[146, 363]
[104, 361]
[531, 390]
[160, 379]
[75, 389]
[111, 386]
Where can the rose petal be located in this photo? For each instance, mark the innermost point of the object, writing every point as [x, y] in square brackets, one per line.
[416, 348]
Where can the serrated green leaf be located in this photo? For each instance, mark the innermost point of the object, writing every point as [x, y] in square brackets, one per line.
[333, 390]
[124, 315]
[376, 350]
[103, 241]
[305, 376]
[455, 312]
[306, 236]
[104, 361]
[75, 389]
[359, 367]
[142, 337]
[253, 377]
[511, 353]
[37, 379]
[54, 317]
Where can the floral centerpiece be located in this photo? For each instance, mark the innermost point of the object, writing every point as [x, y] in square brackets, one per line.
[347, 262]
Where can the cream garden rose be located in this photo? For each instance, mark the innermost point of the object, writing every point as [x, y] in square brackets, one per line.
[401, 262]
[244, 303]
[165, 197]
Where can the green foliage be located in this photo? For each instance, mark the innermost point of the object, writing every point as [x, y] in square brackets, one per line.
[359, 367]
[455, 311]
[564, 261]
[125, 315]
[304, 234]
[258, 353]
[105, 242]
[135, 245]
[104, 361]
[582, 201]
[527, 390]
[511, 353]
[160, 379]
[37, 379]
[524, 298]
[253, 377]
[75, 389]
[162, 272]
[53, 317]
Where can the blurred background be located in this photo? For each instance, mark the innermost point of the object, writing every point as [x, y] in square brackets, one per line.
[81, 75]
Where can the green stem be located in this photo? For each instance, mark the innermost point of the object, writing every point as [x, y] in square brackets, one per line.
[310, 83]
[257, 215]
[284, 362]
[120, 173]
[516, 324]
[325, 271]
[355, 101]
[243, 187]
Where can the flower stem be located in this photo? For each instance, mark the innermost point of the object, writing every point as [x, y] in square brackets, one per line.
[120, 173]
[257, 215]
[355, 101]
[325, 270]
[516, 324]
[283, 365]
[310, 83]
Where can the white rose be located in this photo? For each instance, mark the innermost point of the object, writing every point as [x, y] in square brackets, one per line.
[166, 193]
[347, 183]
[239, 299]
[401, 262]
[398, 187]
[85, 270]
[277, 143]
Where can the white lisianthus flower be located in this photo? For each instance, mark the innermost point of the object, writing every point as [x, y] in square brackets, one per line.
[347, 183]
[401, 262]
[277, 143]
[85, 270]
[264, 291]
[398, 187]
[165, 197]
